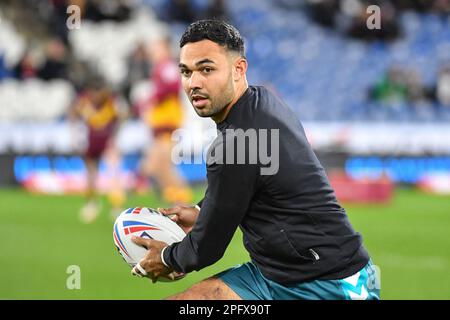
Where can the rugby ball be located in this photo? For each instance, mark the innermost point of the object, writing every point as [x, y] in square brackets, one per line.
[145, 223]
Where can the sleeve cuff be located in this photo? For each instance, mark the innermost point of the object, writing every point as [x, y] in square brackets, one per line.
[162, 257]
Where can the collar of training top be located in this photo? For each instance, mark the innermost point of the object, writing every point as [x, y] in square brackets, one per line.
[234, 112]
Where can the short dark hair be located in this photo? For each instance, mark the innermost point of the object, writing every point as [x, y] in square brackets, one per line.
[217, 31]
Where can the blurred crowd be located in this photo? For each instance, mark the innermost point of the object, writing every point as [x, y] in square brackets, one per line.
[350, 16]
[185, 11]
[49, 53]
[405, 85]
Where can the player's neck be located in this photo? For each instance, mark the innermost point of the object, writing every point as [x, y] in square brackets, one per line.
[218, 118]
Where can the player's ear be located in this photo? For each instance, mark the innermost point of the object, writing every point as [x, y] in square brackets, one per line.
[240, 68]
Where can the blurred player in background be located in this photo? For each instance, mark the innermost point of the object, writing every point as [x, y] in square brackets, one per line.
[101, 112]
[163, 113]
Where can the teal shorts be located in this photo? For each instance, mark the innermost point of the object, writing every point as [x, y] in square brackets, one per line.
[249, 283]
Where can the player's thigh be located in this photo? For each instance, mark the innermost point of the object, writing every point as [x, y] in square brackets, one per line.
[208, 289]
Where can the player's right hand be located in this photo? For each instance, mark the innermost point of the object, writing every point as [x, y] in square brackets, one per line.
[184, 216]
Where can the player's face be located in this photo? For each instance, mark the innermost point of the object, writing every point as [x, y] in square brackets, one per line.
[206, 72]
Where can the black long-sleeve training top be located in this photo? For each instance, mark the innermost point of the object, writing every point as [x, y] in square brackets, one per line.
[294, 229]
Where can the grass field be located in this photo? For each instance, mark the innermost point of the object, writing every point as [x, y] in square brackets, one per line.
[41, 237]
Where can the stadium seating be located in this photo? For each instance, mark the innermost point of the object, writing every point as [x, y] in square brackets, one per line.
[34, 100]
[108, 44]
[321, 74]
[12, 45]
[307, 63]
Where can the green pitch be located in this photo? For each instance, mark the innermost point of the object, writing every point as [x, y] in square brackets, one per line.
[41, 237]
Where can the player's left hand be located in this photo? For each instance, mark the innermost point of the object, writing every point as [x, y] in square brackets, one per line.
[151, 266]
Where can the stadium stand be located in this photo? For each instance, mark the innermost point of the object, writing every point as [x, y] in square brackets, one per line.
[304, 61]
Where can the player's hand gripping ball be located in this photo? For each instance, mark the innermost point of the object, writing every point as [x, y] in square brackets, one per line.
[144, 223]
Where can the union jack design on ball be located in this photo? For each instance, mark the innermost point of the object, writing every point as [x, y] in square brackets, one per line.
[133, 211]
[130, 227]
[136, 226]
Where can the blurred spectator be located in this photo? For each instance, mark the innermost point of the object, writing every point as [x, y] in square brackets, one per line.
[435, 6]
[389, 28]
[216, 10]
[443, 86]
[139, 68]
[441, 7]
[181, 11]
[116, 10]
[55, 65]
[416, 90]
[55, 17]
[401, 85]
[419, 5]
[323, 11]
[26, 67]
[392, 88]
[351, 16]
